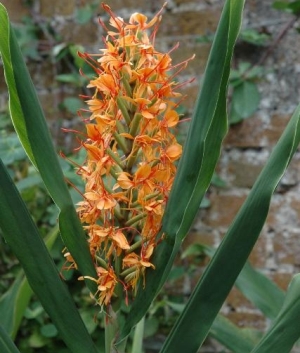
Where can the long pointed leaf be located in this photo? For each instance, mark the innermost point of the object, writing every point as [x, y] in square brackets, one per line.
[201, 153]
[23, 237]
[14, 301]
[13, 304]
[232, 337]
[223, 269]
[285, 330]
[259, 289]
[6, 343]
[30, 124]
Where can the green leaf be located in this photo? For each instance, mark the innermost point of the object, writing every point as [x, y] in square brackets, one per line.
[217, 181]
[49, 331]
[24, 239]
[72, 104]
[208, 296]
[291, 7]
[245, 99]
[255, 286]
[6, 343]
[254, 37]
[84, 14]
[285, 330]
[280, 5]
[137, 342]
[196, 167]
[10, 149]
[14, 302]
[234, 117]
[232, 337]
[224, 331]
[261, 291]
[73, 78]
[31, 127]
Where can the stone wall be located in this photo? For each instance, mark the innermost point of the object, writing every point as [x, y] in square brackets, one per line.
[248, 144]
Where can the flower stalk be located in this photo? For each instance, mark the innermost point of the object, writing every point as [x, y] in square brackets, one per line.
[131, 153]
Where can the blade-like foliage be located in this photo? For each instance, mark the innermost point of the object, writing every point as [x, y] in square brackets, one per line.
[13, 304]
[24, 239]
[30, 125]
[201, 153]
[231, 336]
[232, 254]
[14, 301]
[257, 288]
[6, 344]
[261, 291]
[285, 330]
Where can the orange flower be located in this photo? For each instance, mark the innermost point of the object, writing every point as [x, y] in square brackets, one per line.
[131, 151]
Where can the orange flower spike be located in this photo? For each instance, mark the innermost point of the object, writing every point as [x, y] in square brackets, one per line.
[105, 83]
[146, 253]
[129, 167]
[120, 241]
[124, 181]
[173, 152]
[106, 282]
[102, 200]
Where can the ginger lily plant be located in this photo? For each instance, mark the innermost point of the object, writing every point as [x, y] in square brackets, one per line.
[131, 153]
[136, 208]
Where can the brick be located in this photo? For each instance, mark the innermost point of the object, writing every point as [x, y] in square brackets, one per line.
[281, 279]
[190, 92]
[185, 51]
[236, 299]
[255, 132]
[42, 74]
[134, 6]
[258, 255]
[85, 35]
[49, 102]
[287, 248]
[16, 9]
[190, 22]
[203, 236]
[248, 133]
[243, 320]
[57, 7]
[244, 173]
[224, 206]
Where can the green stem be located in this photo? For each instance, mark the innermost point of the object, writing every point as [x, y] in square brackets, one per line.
[121, 127]
[137, 344]
[116, 303]
[111, 332]
[134, 247]
[148, 197]
[101, 262]
[128, 271]
[135, 219]
[132, 158]
[115, 157]
[135, 124]
[124, 110]
[126, 86]
[111, 328]
[121, 142]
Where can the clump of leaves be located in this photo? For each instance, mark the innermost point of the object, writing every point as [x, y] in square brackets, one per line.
[245, 95]
[288, 6]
